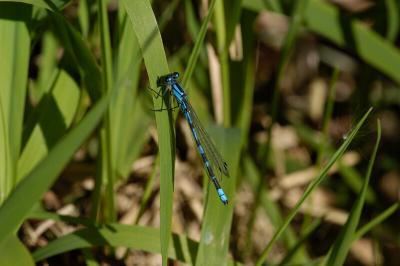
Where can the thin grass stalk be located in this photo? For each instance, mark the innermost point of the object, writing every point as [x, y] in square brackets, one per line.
[343, 242]
[222, 51]
[107, 171]
[5, 173]
[376, 221]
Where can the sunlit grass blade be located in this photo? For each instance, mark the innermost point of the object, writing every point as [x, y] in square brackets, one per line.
[312, 187]
[215, 234]
[32, 187]
[343, 242]
[14, 54]
[127, 137]
[106, 177]
[145, 26]
[48, 67]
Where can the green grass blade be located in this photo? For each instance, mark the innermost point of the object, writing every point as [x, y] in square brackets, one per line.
[13, 252]
[83, 17]
[127, 138]
[393, 19]
[342, 244]
[376, 221]
[48, 66]
[234, 9]
[14, 54]
[107, 174]
[145, 26]
[215, 233]
[32, 187]
[311, 187]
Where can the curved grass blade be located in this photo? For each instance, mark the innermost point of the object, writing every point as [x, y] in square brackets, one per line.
[343, 242]
[217, 221]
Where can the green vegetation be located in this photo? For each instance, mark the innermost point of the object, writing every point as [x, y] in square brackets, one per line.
[300, 97]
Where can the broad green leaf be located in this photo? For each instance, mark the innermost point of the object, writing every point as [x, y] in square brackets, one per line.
[216, 226]
[13, 252]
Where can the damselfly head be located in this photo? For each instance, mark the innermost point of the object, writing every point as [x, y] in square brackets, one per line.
[172, 77]
[175, 75]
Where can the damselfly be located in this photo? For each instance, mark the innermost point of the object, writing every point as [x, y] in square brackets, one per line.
[209, 154]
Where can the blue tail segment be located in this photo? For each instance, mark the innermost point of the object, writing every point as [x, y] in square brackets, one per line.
[208, 152]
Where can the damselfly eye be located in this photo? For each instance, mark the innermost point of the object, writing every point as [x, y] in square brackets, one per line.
[175, 75]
